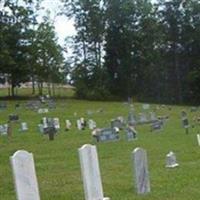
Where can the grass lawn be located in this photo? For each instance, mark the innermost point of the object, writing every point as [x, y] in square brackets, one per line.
[57, 162]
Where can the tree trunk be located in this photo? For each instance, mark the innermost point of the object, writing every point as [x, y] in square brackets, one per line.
[53, 89]
[33, 86]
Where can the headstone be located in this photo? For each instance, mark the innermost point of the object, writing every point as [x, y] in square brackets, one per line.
[157, 125]
[131, 119]
[24, 126]
[194, 109]
[3, 105]
[92, 124]
[24, 176]
[171, 160]
[83, 122]
[143, 118]
[153, 117]
[51, 104]
[79, 124]
[33, 105]
[198, 139]
[141, 171]
[107, 134]
[13, 117]
[43, 110]
[56, 123]
[185, 121]
[4, 129]
[45, 122]
[131, 133]
[68, 125]
[116, 123]
[90, 173]
[145, 106]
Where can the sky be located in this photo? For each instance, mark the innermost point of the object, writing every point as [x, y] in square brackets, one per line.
[63, 26]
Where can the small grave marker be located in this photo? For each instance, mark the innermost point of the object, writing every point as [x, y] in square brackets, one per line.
[24, 126]
[68, 125]
[171, 160]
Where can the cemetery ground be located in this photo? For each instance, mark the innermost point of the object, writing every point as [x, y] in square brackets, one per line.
[57, 162]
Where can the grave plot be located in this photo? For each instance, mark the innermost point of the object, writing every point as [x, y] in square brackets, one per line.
[106, 134]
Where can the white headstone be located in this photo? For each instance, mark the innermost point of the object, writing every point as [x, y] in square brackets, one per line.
[90, 172]
[145, 106]
[68, 124]
[79, 124]
[56, 123]
[91, 124]
[141, 171]
[24, 176]
[24, 126]
[171, 160]
[198, 139]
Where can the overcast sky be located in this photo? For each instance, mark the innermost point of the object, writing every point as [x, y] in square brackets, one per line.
[63, 26]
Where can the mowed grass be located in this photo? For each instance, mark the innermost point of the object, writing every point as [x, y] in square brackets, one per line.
[57, 162]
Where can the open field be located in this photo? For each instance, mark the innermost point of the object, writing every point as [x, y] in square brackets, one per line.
[57, 162]
[26, 92]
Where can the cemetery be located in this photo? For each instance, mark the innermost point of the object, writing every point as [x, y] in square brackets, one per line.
[58, 162]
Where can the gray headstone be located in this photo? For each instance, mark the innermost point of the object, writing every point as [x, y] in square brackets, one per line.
[141, 171]
[90, 172]
[24, 176]
[171, 160]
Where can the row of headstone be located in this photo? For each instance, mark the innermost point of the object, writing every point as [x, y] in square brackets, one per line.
[4, 128]
[43, 110]
[33, 105]
[26, 183]
[142, 118]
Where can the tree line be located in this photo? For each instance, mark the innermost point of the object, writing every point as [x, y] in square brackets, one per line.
[136, 48]
[122, 48]
[29, 50]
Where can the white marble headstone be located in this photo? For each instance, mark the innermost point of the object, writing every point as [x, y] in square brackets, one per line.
[91, 124]
[24, 176]
[90, 172]
[198, 139]
[145, 106]
[79, 124]
[68, 124]
[24, 126]
[56, 122]
[141, 171]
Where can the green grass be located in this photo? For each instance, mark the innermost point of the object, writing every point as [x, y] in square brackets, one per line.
[27, 92]
[57, 162]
